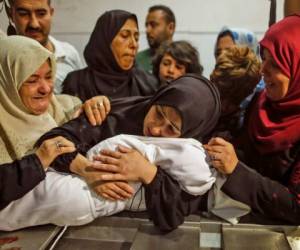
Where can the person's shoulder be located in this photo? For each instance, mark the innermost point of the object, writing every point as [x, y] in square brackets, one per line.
[63, 48]
[145, 52]
[63, 44]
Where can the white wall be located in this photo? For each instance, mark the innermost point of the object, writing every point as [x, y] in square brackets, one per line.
[198, 21]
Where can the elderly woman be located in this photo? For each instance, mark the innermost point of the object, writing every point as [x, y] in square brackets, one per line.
[28, 109]
[110, 57]
[270, 144]
[175, 59]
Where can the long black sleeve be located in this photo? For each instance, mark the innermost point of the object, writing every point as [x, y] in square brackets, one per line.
[267, 197]
[167, 204]
[80, 132]
[19, 177]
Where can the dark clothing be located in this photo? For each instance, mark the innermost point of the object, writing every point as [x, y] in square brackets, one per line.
[87, 83]
[273, 191]
[167, 204]
[229, 126]
[103, 75]
[194, 97]
[19, 177]
[198, 103]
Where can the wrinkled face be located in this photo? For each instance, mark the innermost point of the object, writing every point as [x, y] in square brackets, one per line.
[157, 29]
[125, 44]
[224, 42]
[32, 18]
[36, 91]
[162, 121]
[170, 69]
[277, 83]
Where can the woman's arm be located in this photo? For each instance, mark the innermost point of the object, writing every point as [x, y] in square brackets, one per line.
[19, 177]
[267, 197]
[166, 203]
[80, 132]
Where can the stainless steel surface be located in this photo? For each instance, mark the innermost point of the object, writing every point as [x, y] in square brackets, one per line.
[254, 238]
[293, 237]
[127, 233]
[32, 238]
[185, 237]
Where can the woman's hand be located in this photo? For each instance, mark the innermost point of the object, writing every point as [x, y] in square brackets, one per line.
[116, 190]
[93, 177]
[51, 148]
[126, 164]
[96, 109]
[222, 154]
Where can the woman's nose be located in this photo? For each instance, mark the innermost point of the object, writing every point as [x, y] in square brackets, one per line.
[45, 87]
[156, 131]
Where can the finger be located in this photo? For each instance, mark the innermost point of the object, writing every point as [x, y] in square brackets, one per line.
[124, 149]
[106, 104]
[218, 166]
[108, 160]
[89, 113]
[105, 167]
[215, 149]
[126, 187]
[120, 192]
[218, 141]
[107, 196]
[102, 111]
[114, 154]
[113, 177]
[97, 115]
[65, 150]
[65, 141]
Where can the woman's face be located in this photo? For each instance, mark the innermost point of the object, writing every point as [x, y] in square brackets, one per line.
[162, 121]
[36, 91]
[224, 42]
[125, 44]
[277, 83]
[170, 69]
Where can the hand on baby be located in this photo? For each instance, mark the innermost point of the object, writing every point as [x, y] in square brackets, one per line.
[51, 148]
[125, 164]
[222, 154]
[96, 109]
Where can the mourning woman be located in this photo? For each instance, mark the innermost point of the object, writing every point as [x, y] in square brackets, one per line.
[28, 109]
[110, 57]
[188, 108]
[270, 144]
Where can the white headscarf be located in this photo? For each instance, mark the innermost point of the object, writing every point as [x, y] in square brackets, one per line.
[20, 57]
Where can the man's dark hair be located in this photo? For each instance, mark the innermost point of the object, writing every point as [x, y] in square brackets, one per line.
[183, 53]
[11, 2]
[169, 15]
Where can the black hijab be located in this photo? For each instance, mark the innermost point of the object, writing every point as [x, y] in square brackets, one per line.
[194, 97]
[103, 75]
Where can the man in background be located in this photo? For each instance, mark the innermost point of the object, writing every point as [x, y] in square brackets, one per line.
[32, 18]
[160, 27]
